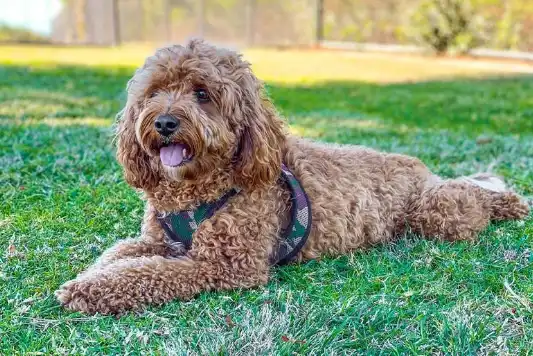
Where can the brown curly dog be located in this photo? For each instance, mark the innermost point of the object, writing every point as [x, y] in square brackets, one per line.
[196, 125]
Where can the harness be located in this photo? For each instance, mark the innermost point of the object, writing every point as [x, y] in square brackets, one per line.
[180, 226]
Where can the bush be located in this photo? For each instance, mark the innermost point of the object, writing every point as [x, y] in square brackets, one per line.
[20, 35]
[447, 26]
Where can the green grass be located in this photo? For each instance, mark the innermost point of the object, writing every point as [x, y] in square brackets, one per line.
[64, 202]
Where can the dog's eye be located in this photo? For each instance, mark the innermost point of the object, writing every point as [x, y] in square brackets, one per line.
[152, 94]
[201, 95]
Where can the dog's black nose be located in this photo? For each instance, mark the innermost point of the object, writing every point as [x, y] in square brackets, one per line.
[166, 125]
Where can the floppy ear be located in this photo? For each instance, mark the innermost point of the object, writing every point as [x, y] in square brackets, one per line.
[262, 140]
[137, 170]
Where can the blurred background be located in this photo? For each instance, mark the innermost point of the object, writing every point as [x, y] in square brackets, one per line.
[441, 25]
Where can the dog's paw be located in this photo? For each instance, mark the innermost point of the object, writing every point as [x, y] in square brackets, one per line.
[64, 293]
[83, 296]
[73, 296]
[99, 294]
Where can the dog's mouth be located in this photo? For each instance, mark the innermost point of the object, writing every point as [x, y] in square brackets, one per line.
[175, 154]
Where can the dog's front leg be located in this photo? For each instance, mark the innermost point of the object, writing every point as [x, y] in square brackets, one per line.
[133, 283]
[139, 247]
[152, 242]
[228, 252]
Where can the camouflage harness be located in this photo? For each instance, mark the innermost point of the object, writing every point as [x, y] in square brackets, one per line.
[180, 226]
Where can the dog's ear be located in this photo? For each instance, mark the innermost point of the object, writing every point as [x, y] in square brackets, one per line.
[262, 139]
[137, 170]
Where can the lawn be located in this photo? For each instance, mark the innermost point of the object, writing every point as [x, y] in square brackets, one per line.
[65, 201]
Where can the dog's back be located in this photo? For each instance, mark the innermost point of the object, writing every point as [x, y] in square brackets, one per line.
[358, 196]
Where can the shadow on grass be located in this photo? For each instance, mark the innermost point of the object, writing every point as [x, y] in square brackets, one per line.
[491, 105]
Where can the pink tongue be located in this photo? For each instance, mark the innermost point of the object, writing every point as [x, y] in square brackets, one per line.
[172, 155]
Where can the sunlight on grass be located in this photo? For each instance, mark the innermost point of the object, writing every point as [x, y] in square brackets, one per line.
[92, 56]
[305, 131]
[88, 121]
[310, 67]
[315, 128]
[281, 66]
[6, 221]
[62, 121]
[18, 107]
[49, 96]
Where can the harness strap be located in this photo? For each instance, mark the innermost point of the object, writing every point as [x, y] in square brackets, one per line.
[293, 238]
[180, 226]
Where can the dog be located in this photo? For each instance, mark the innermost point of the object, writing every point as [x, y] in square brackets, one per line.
[199, 137]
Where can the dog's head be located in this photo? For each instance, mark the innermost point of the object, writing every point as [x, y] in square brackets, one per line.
[195, 111]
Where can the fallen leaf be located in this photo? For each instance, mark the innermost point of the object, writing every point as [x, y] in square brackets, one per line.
[287, 339]
[229, 322]
[22, 187]
[13, 252]
[483, 140]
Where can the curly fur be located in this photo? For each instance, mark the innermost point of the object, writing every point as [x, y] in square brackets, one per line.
[360, 197]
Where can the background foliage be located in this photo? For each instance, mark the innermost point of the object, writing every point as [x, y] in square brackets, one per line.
[452, 26]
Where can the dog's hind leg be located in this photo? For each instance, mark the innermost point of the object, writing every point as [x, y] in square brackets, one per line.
[504, 204]
[459, 209]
